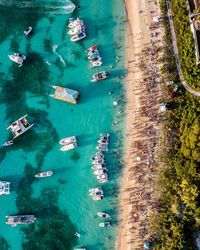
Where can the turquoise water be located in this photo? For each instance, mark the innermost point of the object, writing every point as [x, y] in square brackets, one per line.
[61, 203]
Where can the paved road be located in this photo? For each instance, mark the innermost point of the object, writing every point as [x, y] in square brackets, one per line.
[174, 42]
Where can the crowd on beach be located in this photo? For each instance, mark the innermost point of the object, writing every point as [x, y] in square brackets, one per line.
[144, 134]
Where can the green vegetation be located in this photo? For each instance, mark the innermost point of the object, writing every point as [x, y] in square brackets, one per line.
[185, 42]
[178, 217]
[53, 229]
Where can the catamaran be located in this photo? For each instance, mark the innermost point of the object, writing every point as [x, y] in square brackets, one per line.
[65, 94]
[44, 174]
[20, 126]
[17, 58]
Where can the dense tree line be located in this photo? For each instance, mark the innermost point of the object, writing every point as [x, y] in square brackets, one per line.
[185, 42]
[177, 220]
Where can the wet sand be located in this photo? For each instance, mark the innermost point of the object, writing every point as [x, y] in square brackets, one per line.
[142, 120]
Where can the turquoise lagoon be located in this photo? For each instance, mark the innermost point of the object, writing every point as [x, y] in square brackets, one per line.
[61, 203]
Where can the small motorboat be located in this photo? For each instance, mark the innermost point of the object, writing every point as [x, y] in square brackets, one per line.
[105, 135]
[102, 176]
[74, 21]
[44, 174]
[99, 76]
[8, 143]
[104, 141]
[67, 140]
[91, 49]
[99, 167]
[78, 37]
[77, 235]
[102, 147]
[103, 215]
[99, 154]
[97, 157]
[99, 172]
[91, 190]
[95, 63]
[69, 146]
[96, 193]
[103, 180]
[76, 30]
[17, 58]
[105, 224]
[99, 161]
[28, 31]
[97, 198]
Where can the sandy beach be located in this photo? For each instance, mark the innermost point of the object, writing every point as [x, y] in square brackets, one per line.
[143, 105]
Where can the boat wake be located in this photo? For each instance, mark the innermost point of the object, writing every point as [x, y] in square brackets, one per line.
[60, 57]
[56, 7]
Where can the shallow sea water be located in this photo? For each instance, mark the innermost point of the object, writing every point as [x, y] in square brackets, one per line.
[53, 59]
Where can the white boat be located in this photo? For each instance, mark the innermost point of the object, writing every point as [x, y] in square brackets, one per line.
[17, 58]
[99, 154]
[96, 63]
[102, 176]
[74, 21]
[77, 235]
[4, 187]
[20, 126]
[103, 215]
[102, 147]
[105, 224]
[20, 220]
[44, 174]
[67, 140]
[97, 157]
[104, 141]
[99, 172]
[28, 31]
[105, 135]
[99, 167]
[103, 180]
[99, 161]
[8, 143]
[99, 193]
[97, 198]
[76, 30]
[78, 37]
[69, 147]
[99, 76]
[91, 190]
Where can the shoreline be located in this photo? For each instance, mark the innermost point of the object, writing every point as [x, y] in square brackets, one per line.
[133, 229]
